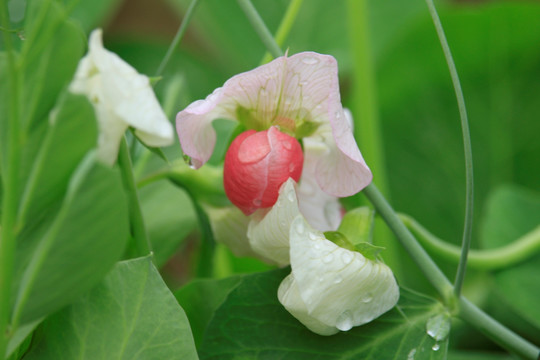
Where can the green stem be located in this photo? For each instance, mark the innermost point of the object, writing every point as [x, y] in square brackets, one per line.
[285, 26]
[489, 259]
[497, 332]
[177, 37]
[10, 187]
[205, 265]
[138, 230]
[260, 28]
[469, 199]
[367, 127]
[417, 253]
[466, 310]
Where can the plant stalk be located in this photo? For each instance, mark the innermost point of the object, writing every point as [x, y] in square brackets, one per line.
[260, 28]
[178, 37]
[469, 181]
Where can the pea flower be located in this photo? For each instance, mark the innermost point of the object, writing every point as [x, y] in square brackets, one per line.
[332, 288]
[121, 98]
[300, 95]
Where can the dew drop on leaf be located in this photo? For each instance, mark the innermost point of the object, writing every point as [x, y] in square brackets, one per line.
[411, 355]
[438, 326]
[435, 347]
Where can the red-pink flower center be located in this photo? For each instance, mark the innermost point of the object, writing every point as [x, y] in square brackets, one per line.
[257, 164]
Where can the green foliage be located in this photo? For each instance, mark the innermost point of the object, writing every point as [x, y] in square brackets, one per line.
[81, 244]
[245, 320]
[130, 315]
[512, 212]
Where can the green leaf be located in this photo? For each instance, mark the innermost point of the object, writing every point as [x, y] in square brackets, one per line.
[511, 212]
[201, 298]
[49, 57]
[252, 324]
[57, 263]
[169, 217]
[130, 315]
[72, 126]
[92, 14]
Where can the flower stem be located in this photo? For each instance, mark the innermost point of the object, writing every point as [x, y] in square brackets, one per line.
[285, 26]
[138, 230]
[469, 199]
[465, 309]
[417, 253]
[497, 332]
[489, 259]
[177, 37]
[260, 28]
[10, 186]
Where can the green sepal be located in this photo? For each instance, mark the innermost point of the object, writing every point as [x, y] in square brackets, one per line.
[370, 251]
[154, 80]
[357, 225]
[339, 239]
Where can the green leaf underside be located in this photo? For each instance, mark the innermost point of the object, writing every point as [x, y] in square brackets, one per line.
[252, 324]
[85, 239]
[512, 212]
[130, 315]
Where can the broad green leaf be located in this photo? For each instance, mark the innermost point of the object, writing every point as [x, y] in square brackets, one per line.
[201, 298]
[169, 217]
[58, 263]
[512, 212]
[71, 133]
[20, 340]
[130, 315]
[49, 56]
[252, 324]
[469, 355]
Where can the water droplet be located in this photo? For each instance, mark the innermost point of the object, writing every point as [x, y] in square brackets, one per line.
[321, 278]
[283, 223]
[292, 166]
[344, 321]
[310, 60]
[291, 196]
[411, 355]
[188, 161]
[300, 227]
[313, 236]
[438, 327]
[346, 257]
[318, 107]
[303, 82]
[337, 114]
[338, 279]
[435, 347]
[257, 202]
[366, 299]
[328, 258]
[287, 145]
[317, 246]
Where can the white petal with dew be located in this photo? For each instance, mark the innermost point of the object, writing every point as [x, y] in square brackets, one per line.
[268, 231]
[340, 288]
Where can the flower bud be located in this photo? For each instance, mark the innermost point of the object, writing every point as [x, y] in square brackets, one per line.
[257, 164]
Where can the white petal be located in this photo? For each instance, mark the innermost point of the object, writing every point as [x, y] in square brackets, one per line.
[229, 226]
[322, 211]
[340, 288]
[122, 97]
[289, 296]
[268, 231]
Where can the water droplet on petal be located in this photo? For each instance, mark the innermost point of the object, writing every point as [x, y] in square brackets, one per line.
[328, 258]
[291, 196]
[300, 227]
[337, 114]
[411, 355]
[283, 223]
[303, 82]
[317, 246]
[338, 279]
[346, 257]
[188, 161]
[435, 347]
[313, 236]
[257, 202]
[287, 145]
[321, 278]
[344, 321]
[367, 298]
[292, 166]
[310, 60]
